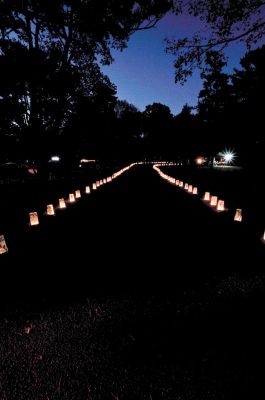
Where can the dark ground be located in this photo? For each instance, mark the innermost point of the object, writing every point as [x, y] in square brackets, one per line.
[176, 299]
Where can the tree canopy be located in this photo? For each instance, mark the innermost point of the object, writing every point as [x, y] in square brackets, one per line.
[224, 22]
[50, 52]
[51, 84]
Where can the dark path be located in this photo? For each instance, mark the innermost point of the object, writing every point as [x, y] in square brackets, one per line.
[136, 234]
[171, 312]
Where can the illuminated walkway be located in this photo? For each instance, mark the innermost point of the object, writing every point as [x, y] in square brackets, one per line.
[139, 233]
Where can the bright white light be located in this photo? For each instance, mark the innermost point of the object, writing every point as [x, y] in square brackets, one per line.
[228, 156]
[55, 158]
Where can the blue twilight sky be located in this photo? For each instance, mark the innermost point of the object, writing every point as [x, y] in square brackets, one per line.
[144, 73]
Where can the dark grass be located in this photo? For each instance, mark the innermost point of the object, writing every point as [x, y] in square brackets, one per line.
[202, 345]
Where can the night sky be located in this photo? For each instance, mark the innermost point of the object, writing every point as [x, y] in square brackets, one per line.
[144, 73]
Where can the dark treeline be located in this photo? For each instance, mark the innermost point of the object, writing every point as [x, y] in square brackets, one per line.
[229, 115]
[55, 99]
[53, 95]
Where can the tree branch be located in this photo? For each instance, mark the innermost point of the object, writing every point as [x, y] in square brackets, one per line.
[150, 24]
[226, 40]
[37, 32]
[29, 31]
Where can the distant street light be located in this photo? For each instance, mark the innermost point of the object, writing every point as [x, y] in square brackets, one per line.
[200, 160]
[228, 156]
[55, 158]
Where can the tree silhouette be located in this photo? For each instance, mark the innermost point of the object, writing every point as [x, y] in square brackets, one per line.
[157, 123]
[224, 21]
[57, 46]
[213, 96]
[249, 89]
[188, 135]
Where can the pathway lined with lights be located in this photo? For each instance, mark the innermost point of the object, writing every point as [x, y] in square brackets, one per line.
[144, 275]
[218, 205]
[62, 202]
[136, 232]
[207, 198]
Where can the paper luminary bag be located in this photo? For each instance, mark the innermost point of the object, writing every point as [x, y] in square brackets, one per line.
[33, 218]
[87, 189]
[238, 215]
[214, 200]
[220, 205]
[207, 196]
[50, 210]
[77, 194]
[3, 246]
[62, 203]
[71, 197]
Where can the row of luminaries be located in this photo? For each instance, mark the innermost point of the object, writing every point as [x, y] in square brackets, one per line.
[213, 201]
[62, 203]
[33, 216]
